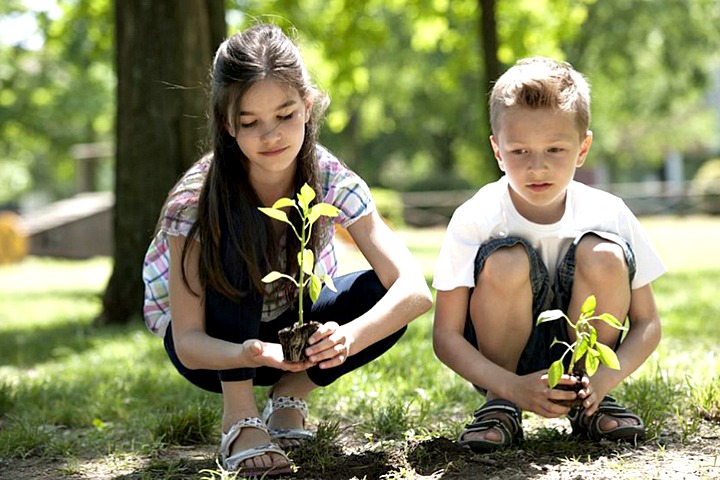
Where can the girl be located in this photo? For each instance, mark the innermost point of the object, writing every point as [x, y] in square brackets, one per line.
[203, 269]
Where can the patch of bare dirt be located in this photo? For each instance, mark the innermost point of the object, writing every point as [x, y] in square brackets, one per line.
[548, 453]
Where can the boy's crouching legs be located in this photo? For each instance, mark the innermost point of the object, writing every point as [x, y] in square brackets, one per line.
[501, 306]
[601, 270]
[501, 314]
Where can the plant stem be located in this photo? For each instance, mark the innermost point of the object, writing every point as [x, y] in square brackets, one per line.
[580, 334]
[301, 286]
[573, 346]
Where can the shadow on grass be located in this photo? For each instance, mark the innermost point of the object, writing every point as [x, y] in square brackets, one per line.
[173, 469]
[335, 465]
[436, 457]
[27, 347]
[542, 455]
[535, 457]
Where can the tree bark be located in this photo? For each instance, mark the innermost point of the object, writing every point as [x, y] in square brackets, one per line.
[488, 34]
[492, 67]
[164, 50]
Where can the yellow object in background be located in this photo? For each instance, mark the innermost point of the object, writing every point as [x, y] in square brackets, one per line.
[13, 241]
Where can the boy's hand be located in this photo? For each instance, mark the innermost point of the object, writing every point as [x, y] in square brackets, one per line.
[592, 394]
[533, 394]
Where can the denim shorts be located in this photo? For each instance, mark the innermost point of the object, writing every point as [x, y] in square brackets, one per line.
[538, 354]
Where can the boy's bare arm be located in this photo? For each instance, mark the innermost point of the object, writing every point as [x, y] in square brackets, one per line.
[456, 352]
[642, 339]
[529, 392]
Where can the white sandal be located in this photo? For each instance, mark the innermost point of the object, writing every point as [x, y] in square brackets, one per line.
[231, 463]
[294, 403]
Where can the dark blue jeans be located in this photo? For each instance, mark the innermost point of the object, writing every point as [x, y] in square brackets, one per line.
[236, 322]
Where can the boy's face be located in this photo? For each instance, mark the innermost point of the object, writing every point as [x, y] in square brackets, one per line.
[539, 150]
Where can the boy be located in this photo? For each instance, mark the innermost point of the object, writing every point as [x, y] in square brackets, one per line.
[536, 240]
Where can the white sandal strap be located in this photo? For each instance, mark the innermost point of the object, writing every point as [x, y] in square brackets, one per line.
[294, 403]
[232, 434]
[232, 463]
[281, 402]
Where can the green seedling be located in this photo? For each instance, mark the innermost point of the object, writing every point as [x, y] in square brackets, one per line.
[585, 344]
[306, 259]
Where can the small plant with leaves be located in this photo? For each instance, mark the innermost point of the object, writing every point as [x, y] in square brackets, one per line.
[585, 346]
[294, 339]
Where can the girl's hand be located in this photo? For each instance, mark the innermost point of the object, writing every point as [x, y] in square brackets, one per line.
[263, 354]
[330, 345]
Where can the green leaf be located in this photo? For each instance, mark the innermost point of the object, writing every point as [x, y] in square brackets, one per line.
[554, 373]
[608, 357]
[274, 213]
[611, 320]
[283, 202]
[329, 282]
[273, 276]
[580, 350]
[322, 209]
[306, 195]
[306, 259]
[592, 362]
[315, 287]
[593, 336]
[588, 306]
[550, 315]
[99, 424]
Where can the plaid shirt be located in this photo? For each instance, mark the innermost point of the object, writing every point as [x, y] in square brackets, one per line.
[340, 187]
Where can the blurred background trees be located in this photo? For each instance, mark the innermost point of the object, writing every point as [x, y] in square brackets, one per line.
[57, 82]
[408, 81]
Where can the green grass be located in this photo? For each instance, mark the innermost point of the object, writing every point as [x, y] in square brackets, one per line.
[70, 390]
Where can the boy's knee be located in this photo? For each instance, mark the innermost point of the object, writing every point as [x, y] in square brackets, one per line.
[506, 267]
[599, 259]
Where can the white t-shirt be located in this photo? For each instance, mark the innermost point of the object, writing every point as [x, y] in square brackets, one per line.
[490, 214]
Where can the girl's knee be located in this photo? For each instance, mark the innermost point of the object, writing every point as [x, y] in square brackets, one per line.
[506, 268]
[599, 259]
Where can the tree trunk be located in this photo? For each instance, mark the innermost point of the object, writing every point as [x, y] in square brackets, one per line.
[489, 38]
[164, 51]
[488, 34]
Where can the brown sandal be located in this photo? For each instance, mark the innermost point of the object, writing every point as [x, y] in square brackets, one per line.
[590, 426]
[510, 427]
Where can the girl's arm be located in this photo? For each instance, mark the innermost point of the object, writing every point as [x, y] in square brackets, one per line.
[407, 298]
[195, 349]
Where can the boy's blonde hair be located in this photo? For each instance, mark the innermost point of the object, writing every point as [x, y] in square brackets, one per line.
[541, 82]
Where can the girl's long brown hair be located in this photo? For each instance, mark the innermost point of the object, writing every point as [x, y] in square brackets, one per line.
[228, 203]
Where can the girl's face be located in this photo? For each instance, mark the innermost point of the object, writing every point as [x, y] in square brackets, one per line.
[269, 128]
